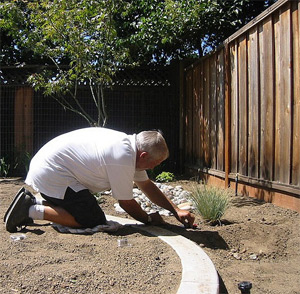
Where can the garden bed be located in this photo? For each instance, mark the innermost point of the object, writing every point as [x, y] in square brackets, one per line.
[257, 242]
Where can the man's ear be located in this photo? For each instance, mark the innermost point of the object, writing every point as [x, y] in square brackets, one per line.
[143, 154]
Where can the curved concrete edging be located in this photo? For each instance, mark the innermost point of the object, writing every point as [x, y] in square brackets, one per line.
[199, 275]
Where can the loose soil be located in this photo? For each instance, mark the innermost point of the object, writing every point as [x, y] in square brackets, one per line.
[257, 242]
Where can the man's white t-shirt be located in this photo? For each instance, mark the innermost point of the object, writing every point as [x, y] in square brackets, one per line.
[92, 158]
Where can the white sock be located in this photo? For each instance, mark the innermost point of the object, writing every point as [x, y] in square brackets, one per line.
[37, 212]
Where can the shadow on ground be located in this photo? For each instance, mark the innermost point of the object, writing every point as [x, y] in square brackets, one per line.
[240, 201]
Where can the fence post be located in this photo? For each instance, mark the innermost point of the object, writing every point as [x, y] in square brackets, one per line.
[24, 119]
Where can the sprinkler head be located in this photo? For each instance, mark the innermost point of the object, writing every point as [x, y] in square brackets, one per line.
[245, 287]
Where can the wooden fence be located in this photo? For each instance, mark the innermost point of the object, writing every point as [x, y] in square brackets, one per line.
[240, 109]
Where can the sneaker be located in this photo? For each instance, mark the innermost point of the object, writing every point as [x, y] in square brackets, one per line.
[17, 214]
[22, 190]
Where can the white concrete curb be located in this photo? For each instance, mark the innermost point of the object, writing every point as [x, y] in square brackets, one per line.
[199, 275]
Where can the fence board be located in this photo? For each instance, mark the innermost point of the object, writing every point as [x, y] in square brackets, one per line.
[196, 115]
[283, 96]
[243, 106]
[234, 107]
[202, 120]
[266, 45]
[254, 103]
[213, 111]
[220, 111]
[188, 117]
[296, 94]
[206, 118]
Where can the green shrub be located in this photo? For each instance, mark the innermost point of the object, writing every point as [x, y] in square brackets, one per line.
[165, 177]
[210, 202]
[4, 167]
[15, 162]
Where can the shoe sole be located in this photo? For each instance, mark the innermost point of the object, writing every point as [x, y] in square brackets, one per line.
[15, 205]
[22, 190]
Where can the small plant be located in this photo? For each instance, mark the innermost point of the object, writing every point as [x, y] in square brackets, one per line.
[98, 197]
[4, 167]
[165, 177]
[210, 202]
[22, 161]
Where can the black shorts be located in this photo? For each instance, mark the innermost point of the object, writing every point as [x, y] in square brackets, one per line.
[82, 205]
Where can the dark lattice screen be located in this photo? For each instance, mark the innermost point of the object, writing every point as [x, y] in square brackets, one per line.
[140, 100]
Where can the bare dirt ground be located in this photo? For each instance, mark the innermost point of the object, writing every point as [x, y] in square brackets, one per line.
[257, 242]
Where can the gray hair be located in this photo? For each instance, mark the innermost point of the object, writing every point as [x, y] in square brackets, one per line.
[154, 143]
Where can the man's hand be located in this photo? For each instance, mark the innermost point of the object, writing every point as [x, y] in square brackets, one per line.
[186, 218]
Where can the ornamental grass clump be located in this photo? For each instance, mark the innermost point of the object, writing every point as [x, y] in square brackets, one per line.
[210, 202]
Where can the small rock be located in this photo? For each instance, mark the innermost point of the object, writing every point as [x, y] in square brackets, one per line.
[243, 250]
[118, 208]
[237, 256]
[253, 256]
[148, 204]
[137, 191]
[165, 212]
[185, 205]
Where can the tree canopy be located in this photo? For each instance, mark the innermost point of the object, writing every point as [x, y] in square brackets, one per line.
[78, 38]
[159, 31]
[146, 31]
[87, 41]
